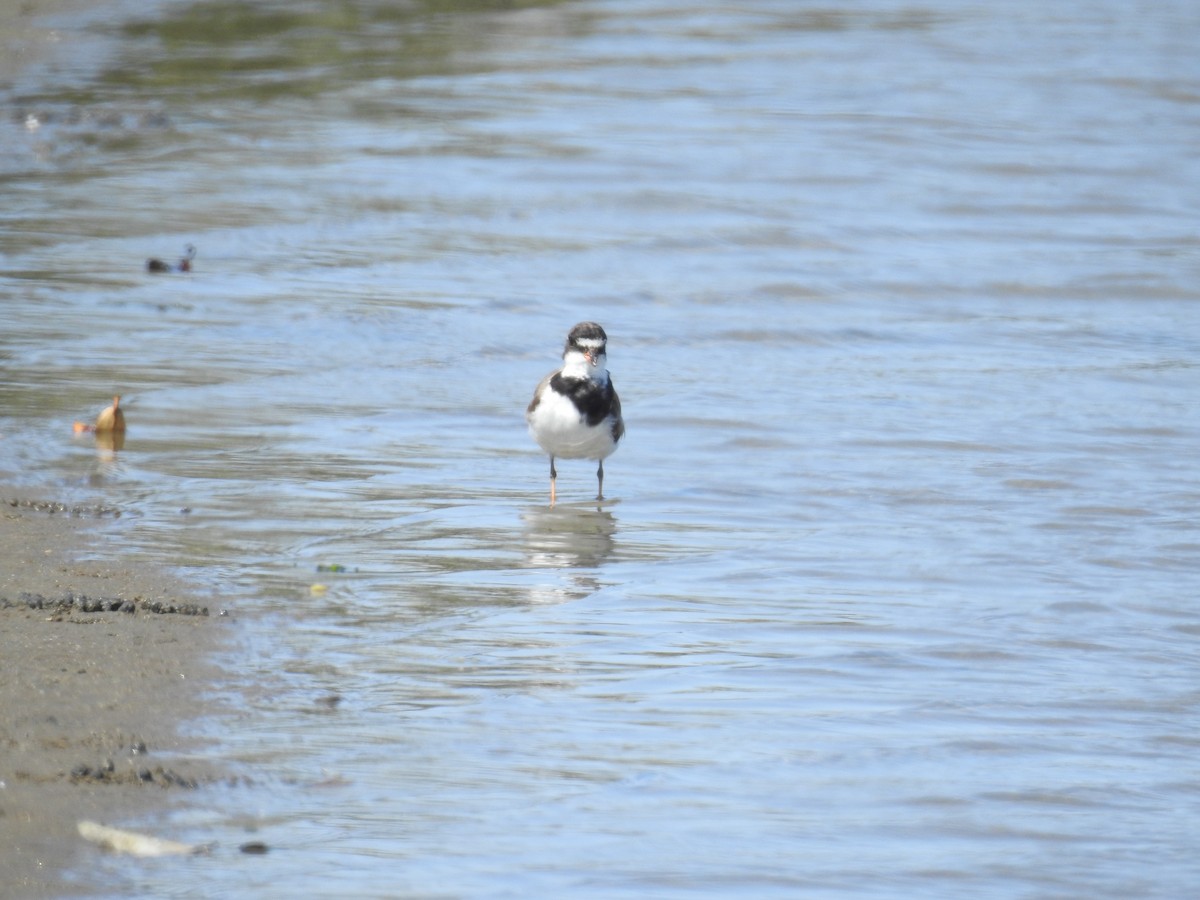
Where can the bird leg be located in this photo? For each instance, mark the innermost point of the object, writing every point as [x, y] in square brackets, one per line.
[553, 476]
[600, 481]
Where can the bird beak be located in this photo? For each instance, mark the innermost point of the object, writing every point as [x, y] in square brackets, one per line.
[590, 356]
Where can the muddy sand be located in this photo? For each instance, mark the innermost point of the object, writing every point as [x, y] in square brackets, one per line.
[104, 660]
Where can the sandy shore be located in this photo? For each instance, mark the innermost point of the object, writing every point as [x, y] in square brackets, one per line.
[92, 698]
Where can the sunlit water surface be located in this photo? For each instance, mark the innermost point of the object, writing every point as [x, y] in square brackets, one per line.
[895, 592]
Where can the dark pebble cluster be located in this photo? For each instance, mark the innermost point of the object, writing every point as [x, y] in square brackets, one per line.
[82, 118]
[71, 602]
[78, 512]
[107, 773]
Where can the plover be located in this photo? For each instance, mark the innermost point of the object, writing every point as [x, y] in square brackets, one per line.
[575, 413]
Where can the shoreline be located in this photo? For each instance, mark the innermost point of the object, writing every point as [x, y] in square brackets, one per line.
[105, 660]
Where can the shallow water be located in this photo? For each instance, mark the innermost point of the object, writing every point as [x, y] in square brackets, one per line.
[894, 594]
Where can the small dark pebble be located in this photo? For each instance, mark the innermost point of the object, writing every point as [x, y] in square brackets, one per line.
[254, 847]
[178, 780]
[155, 120]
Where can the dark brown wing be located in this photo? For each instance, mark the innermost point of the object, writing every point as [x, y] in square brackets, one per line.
[618, 426]
[537, 395]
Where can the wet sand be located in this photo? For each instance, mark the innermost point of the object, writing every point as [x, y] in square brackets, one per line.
[92, 698]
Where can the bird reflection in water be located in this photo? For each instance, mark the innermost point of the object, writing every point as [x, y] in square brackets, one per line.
[108, 465]
[110, 441]
[109, 432]
[568, 537]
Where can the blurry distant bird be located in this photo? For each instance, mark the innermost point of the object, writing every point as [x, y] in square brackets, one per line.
[111, 418]
[110, 421]
[184, 264]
